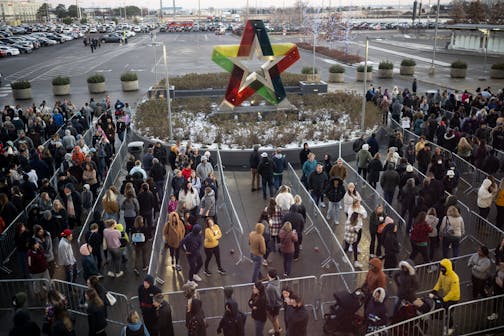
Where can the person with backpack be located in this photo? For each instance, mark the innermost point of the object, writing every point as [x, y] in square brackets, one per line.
[279, 165]
[273, 301]
[139, 236]
[265, 169]
[195, 319]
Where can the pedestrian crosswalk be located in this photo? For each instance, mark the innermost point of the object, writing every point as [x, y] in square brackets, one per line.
[5, 90]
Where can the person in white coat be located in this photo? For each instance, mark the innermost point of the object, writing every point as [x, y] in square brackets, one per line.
[486, 195]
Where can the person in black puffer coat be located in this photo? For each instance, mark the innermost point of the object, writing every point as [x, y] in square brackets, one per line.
[406, 282]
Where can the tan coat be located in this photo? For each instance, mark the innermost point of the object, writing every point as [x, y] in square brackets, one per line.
[174, 230]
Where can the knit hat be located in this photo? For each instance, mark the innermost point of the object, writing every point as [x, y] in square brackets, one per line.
[365, 147]
[149, 279]
[19, 300]
[409, 168]
[66, 233]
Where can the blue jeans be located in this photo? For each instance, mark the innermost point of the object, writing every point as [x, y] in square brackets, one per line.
[160, 185]
[22, 259]
[287, 262]
[316, 198]
[268, 180]
[277, 181]
[333, 211]
[257, 267]
[259, 327]
[70, 273]
[454, 242]
[195, 262]
[389, 196]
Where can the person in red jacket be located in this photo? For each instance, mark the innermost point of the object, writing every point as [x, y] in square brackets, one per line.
[37, 265]
[420, 237]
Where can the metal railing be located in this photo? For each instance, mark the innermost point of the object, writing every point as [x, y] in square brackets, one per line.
[331, 246]
[431, 324]
[234, 224]
[158, 242]
[112, 174]
[471, 317]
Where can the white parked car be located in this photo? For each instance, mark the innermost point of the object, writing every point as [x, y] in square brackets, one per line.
[10, 51]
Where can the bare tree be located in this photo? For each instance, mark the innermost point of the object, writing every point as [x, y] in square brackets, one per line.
[458, 12]
[476, 12]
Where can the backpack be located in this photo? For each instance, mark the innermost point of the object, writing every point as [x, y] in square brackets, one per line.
[357, 145]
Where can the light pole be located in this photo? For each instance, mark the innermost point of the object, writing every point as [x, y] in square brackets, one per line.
[168, 98]
[433, 69]
[485, 32]
[363, 111]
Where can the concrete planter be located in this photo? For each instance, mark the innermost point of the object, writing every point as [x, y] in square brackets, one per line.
[313, 88]
[61, 90]
[407, 70]
[496, 74]
[360, 76]
[336, 77]
[458, 73]
[385, 73]
[130, 85]
[22, 94]
[96, 87]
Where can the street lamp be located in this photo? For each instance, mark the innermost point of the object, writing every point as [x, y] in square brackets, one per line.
[433, 69]
[168, 98]
[363, 111]
[485, 32]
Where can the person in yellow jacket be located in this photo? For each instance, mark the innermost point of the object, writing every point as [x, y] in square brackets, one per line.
[173, 233]
[449, 286]
[499, 203]
[211, 244]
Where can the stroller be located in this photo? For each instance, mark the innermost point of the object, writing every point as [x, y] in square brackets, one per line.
[342, 318]
[408, 310]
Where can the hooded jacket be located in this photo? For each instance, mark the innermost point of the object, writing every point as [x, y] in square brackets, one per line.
[173, 230]
[232, 323]
[335, 194]
[485, 197]
[375, 277]
[406, 281]
[448, 283]
[146, 296]
[273, 294]
[297, 320]
[376, 309]
[256, 241]
[193, 241]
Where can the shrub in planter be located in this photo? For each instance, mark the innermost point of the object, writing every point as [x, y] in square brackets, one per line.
[96, 83]
[458, 69]
[61, 86]
[129, 81]
[336, 73]
[360, 73]
[311, 74]
[385, 69]
[407, 67]
[21, 89]
[497, 71]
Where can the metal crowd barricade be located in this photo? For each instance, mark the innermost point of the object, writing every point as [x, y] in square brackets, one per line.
[235, 227]
[470, 317]
[158, 243]
[331, 246]
[74, 294]
[371, 198]
[431, 324]
[334, 282]
[10, 287]
[112, 174]
[483, 230]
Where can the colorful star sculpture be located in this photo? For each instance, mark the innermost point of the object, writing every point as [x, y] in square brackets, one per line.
[266, 81]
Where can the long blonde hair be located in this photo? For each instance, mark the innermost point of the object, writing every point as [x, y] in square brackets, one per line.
[287, 226]
[109, 202]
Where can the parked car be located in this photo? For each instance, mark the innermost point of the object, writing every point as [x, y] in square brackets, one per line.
[9, 51]
[111, 38]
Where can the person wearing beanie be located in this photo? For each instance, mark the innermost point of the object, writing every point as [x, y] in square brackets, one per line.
[406, 282]
[89, 266]
[390, 243]
[363, 159]
[146, 292]
[191, 244]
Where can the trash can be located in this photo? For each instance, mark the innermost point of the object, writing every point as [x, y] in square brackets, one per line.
[135, 148]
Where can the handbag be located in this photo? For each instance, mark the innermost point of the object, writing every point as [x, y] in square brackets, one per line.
[448, 230]
[111, 299]
[138, 237]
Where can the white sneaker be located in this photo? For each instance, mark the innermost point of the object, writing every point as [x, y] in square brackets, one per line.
[450, 331]
[340, 207]
[197, 277]
[357, 264]
[192, 283]
[322, 205]
[328, 218]
[111, 274]
[336, 222]
[265, 263]
[120, 274]
[492, 317]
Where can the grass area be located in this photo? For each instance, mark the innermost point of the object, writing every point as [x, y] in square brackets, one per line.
[318, 118]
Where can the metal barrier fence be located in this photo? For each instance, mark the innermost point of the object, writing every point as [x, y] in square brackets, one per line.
[158, 243]
[484, 231]
[471, 317]
[431, 324]
[7, 243]
[371, 198]
[235, 227]
[112, 174]
[332, 247]
[9, 288]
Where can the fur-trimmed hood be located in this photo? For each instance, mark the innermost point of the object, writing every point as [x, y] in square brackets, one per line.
[409, 264]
